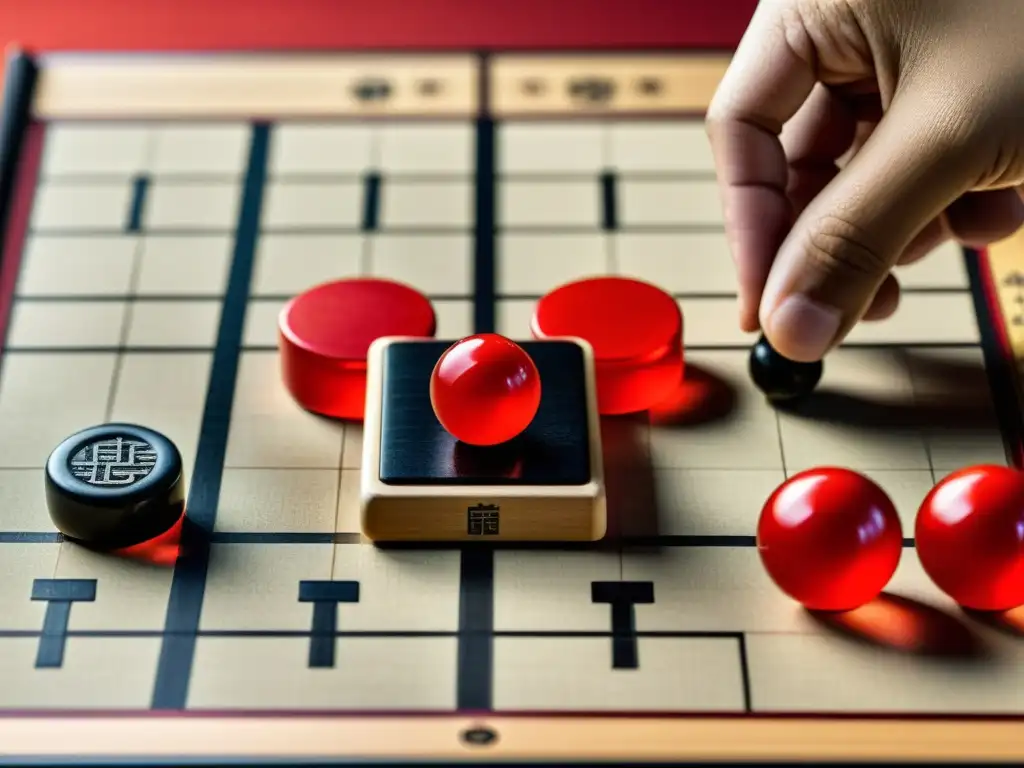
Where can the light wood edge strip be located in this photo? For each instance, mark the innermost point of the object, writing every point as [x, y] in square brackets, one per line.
[554, 738]
[1005, 258]
[230, 86]
[234, 86]
[687, 83]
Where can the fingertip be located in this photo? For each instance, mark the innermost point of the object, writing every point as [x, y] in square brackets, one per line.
[801, 329]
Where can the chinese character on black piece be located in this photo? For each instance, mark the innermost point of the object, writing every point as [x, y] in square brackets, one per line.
[482, 520]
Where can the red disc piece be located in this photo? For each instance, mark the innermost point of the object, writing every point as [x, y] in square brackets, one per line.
[485, 389]
[969, 537]
[830, 538]
[325, 333]
[635, 329]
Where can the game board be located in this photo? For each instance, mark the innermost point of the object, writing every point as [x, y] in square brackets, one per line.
[160, 210]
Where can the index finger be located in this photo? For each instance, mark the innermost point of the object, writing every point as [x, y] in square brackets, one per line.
[765, 84]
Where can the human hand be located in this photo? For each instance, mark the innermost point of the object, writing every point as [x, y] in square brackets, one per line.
[853, 136]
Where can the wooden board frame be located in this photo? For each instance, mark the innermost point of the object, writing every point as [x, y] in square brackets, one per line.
[70, 87]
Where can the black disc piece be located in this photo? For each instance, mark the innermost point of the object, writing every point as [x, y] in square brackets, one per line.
[115, 485]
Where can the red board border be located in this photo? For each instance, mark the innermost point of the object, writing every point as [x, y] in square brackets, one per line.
[263, 25]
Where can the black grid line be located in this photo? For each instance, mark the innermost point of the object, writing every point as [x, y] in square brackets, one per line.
[281, 297]
[371, 202]
[369, 633]
[665, 541]
[476, 570]
[69, 178]
[197, 298]
[731, 295]
[170, 690]
[137, 208]
[723, 347]
[153, 232]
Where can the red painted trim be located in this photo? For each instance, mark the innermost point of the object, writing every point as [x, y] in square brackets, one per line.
[17, 225]
[991, 295]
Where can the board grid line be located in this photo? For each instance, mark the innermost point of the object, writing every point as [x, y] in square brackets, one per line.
[172, 349]
[392, 229]
[475, 653]
[667, 541]
[174, 667]
[72, 178]
[133, 297]
[199, 298]
[387, 633]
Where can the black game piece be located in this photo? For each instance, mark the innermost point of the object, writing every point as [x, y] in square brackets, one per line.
[115, 485]
[782, 379]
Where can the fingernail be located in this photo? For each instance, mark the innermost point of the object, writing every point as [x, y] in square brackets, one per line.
[803, 329]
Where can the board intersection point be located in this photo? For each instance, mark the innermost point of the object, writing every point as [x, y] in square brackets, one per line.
[162, 210]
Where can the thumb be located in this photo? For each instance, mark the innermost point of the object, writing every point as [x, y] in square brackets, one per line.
[844, 244]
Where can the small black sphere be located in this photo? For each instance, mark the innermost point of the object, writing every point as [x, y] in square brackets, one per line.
[780, 378]
[115, 485]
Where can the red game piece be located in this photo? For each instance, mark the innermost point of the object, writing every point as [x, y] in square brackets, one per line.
[636, 330]
[324, 335]
[485, 389]
[969, 536]
[830, 538]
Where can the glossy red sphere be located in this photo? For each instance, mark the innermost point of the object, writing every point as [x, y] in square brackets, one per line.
[969, 536]
[830, 538]
[485, 389]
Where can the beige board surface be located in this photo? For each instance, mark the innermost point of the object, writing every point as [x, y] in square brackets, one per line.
[117, 324]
